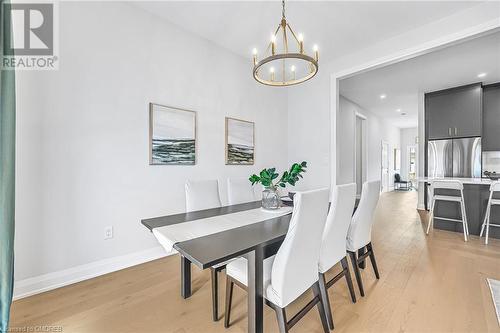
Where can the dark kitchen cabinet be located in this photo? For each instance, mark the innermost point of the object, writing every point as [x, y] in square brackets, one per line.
[491, 117]
[454, 112]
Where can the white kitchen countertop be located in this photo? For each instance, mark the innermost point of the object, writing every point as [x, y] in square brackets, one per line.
[478, 181]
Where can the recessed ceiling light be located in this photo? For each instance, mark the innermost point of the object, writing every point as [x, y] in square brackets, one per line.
[383, 96]
[398, 110]
[480, 75]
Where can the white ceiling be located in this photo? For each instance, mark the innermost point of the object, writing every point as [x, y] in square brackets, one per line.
[339, 27]
[453, 66]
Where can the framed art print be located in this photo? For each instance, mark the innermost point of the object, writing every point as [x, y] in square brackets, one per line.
[172, 136]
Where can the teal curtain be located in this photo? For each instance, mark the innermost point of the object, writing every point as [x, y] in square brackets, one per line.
[7, 160]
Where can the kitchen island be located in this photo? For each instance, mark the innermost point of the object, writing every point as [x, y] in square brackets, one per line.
[476, 194]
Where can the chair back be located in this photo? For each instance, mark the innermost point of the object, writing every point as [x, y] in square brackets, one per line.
[333, 245]
[239, 191]
[202, 194]
[495, 186]
[360, 229]
[295, 267]
[397, 177]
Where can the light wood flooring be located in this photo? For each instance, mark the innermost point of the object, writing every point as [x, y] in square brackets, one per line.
[432, 283]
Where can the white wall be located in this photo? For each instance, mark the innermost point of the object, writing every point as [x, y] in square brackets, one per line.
[82, 133]
[377, 130]
[309, 130]
[323, 116]
[408, 136]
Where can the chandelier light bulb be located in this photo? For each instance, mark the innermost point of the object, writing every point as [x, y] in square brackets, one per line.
[301, 43]
[273, 44]
[293, 68]
[254, 51]
[271, 70]
[316, 53]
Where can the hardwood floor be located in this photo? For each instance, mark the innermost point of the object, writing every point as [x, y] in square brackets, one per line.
[432, 283]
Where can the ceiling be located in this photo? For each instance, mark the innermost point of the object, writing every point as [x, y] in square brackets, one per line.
[453, 66]
[338, 27]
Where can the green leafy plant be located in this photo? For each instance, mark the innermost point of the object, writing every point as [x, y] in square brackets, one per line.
[269, 177]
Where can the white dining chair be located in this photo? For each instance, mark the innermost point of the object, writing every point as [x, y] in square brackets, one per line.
[239, 191]
[200, 195]
[360, 231]
[494, 187]
[333, 244]
[294, 268]
[448, 185]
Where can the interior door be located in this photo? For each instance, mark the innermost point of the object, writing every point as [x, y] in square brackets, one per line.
[385, 167]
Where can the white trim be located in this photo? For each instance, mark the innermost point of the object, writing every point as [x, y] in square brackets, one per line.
[382, 143]
[364, 151]
[46, 282]
[360, 115]
[424, 48]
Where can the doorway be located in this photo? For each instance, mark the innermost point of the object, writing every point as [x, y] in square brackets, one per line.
[384, 167]
[411, 164]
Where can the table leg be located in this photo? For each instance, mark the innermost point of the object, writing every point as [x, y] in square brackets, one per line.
[255, 261]
[185, 277]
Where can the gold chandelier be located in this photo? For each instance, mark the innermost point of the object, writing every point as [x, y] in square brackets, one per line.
[285, 64]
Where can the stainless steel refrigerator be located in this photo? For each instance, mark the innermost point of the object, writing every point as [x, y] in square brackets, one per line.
[454, 158]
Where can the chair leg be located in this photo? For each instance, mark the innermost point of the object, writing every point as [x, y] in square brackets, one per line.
[323, 292]
[215, 294]
[345, 267]
[281, 318]
[372, 259]
[361, 264]
[357, 273]
[321, 308]
[229, 300]
[431, 216]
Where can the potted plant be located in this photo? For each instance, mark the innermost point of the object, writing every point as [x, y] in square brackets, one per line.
[269, 179]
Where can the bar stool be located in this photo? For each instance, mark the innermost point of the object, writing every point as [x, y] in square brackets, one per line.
[494, 187]
[448, 185]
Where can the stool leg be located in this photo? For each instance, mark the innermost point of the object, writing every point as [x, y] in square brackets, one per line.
[431, 216]
[464, 220]
[485, 218]
[487, 226]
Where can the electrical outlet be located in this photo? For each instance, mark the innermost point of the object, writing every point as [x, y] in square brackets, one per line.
[108, 232]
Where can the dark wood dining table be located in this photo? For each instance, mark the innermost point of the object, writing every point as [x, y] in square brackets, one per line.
[256, 242]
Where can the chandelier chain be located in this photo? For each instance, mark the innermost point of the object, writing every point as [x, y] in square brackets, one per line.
[283, 6]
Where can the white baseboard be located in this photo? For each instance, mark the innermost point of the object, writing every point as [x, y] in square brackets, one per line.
[46, 282]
